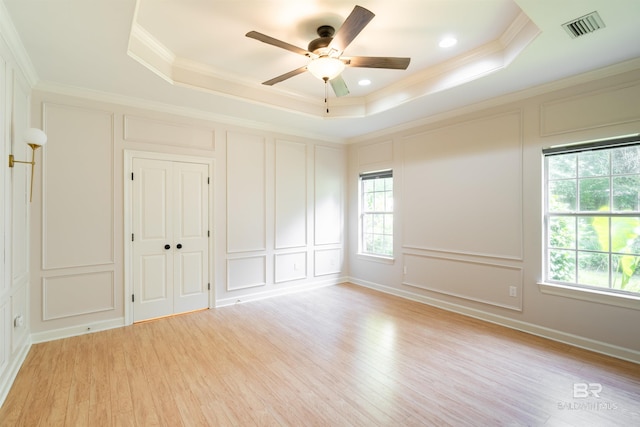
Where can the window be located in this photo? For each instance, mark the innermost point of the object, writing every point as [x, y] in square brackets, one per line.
[376, 213]
[592, 215]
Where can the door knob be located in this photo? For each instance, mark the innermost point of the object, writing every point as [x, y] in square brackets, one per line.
[167, 246]
[179, 246]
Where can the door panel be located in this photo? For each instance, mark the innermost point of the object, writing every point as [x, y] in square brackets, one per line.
[191, 232]
[170, 246]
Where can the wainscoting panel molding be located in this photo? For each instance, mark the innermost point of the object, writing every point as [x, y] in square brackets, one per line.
[246, 272]
[327, 261]
[246, 192]
[591, 110]
[139, 129]
[378, 153]
[290, 266]
[290, 195]
[489, 283]
[77, 294]
[462, 188]
[329, 194]
[84, 141]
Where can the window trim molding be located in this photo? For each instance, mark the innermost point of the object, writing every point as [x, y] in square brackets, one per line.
[361, 254]
[578, 291]
[591, 295]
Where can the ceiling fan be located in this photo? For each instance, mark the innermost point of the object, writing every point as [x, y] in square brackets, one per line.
[327, 62]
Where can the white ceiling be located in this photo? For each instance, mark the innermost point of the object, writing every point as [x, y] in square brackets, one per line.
[192, 56]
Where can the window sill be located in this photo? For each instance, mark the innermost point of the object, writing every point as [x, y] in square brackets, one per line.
[592, 295]
[376, 258]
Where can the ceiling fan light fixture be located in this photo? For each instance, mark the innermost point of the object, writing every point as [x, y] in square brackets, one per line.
[326, 68]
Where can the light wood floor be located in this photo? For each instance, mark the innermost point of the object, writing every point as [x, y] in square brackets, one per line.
[338, 356]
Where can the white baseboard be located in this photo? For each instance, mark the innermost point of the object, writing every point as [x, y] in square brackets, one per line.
[7, 379]
[541, 331]
[278, 292]
[73, 331]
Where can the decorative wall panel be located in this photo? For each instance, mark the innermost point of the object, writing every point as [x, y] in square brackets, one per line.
[327, 261]
[372, 154]
[20, 179]
[138, 129]
[290, 266]
[77, 294]
[290, 195]
[329, 181]
[246, 272]
[591, 110]
[78, 215]
[462, 188]
[478, 281]
[246, 193]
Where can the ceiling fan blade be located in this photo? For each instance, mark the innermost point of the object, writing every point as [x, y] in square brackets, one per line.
[377, 62]
[277, 43]
[285, 76]
[339, 86]
[355, 22]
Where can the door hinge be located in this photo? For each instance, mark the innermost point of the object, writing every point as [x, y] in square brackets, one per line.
[133, 298]
[208, 233]
[131, 176]
[132, 238]
[208, 286]
[207, 180]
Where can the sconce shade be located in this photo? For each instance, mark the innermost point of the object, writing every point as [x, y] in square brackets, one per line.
[35, 136]
[326, 67]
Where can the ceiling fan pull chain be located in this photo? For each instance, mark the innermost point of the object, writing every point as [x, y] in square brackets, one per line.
[326, 94]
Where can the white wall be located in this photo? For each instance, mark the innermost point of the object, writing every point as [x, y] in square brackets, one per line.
[276, 223]
[468, 220]
[14, 216]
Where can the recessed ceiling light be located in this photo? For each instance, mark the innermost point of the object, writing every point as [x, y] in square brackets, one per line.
[364, 82]
[448, 42]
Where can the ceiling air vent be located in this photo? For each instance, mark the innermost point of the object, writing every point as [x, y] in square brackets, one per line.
[584, 25]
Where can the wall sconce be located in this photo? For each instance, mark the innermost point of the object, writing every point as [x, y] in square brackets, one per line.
[35, 138]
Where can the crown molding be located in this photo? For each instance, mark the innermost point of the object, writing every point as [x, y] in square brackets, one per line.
[10, 35]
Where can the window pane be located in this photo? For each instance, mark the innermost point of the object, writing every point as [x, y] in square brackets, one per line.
[388, 184]
[563, 166]
[594, 194]
[562, 196]
[593, 269]
[593, 163]
[626, 193]
[626, 273]
[593, 233]
[624, 235]
[368, 202]
[388, 203]
[368, 243]
[562, 232]
[601, 249]
[562, 266]
[388, 224]
[377, 215]
[626, 160]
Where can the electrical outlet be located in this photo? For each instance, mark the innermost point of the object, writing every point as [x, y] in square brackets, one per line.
[18, 322]
[513, 291]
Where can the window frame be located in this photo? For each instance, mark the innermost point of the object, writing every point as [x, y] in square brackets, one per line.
[607, 295]
[362, 212]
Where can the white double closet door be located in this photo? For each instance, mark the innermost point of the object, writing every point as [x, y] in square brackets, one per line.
[170, 240]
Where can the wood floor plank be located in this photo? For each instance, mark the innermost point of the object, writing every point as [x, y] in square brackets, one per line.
[337, 356]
